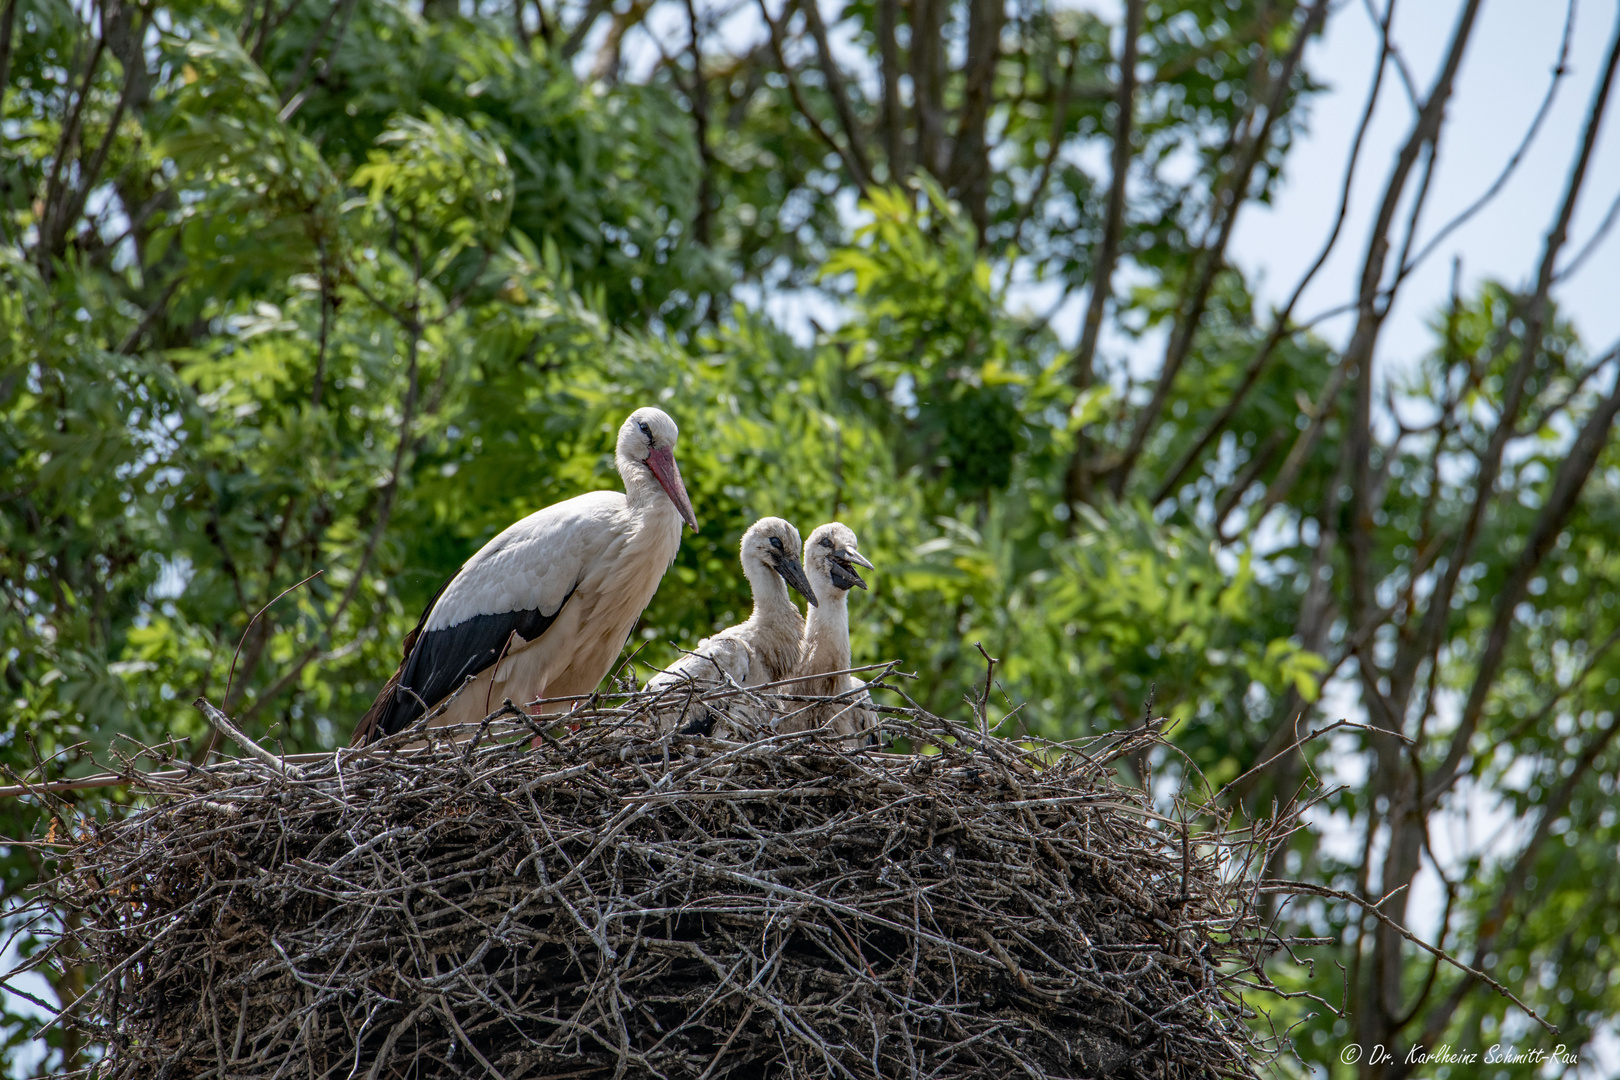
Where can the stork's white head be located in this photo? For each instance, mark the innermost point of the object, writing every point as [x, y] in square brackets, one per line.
[830, 557]
[647, 447]
[773, 544]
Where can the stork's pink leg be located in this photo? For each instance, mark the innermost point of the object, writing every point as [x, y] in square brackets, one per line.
[534, 743]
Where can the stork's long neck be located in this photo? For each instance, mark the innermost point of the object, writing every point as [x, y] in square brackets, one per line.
[775, 625]
[825, 646]
[650, 507]
[771, 600]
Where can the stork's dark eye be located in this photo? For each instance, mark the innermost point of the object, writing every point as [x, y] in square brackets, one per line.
[645, 430]
[776, 542]
[826, 542]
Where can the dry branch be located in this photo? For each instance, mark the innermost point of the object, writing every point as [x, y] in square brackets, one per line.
[616, 903]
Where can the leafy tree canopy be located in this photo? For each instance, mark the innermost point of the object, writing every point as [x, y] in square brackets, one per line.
[301, 302]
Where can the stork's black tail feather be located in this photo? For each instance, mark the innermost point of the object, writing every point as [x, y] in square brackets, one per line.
[703, 725]
[374, 724]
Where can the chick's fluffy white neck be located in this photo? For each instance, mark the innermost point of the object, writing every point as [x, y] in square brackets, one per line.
[775, 625]
[825, 645]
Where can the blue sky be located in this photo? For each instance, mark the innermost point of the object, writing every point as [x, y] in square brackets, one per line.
[1504, 76]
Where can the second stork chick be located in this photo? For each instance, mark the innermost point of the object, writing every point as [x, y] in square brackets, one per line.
[760, 650]
[830, 560]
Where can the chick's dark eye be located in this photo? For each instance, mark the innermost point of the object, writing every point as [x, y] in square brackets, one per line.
[645, 430]
[826, 542]
[776, 542]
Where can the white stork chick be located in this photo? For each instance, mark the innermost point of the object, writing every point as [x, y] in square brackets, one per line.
[543, 610]
[830, 559]
[760, 650]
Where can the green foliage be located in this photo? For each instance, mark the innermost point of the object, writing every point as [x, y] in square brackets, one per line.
[351, 293]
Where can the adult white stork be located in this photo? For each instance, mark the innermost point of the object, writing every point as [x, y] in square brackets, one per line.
[543, 609]
[762, 649]
[830, 559]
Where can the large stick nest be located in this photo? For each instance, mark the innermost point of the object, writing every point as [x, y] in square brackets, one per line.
[613, 903]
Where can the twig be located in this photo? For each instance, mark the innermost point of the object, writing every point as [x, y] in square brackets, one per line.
[231, 678]
[485, 908]
[1371, 908]
[223, 723]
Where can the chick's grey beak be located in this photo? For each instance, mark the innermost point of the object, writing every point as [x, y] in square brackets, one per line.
[842, 569]
[793, 573]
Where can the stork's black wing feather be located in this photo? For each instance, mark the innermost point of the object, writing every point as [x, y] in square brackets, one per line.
[442, 659]
[368, 728]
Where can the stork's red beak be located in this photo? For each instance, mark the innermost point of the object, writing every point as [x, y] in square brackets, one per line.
[662, 463]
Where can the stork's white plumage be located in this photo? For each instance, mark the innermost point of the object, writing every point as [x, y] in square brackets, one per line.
[543, 609]
[830, 559]
[760, 650]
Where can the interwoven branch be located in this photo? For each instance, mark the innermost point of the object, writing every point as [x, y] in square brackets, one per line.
[615, 903]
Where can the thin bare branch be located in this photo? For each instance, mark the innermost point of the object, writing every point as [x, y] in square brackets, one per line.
[594, 10]
[1559, 71]
[888, 24]
[1372, 908]
[1533, 314]
[1513, 885]
[539, 903]
[223, 723]
[968, 171]
[838, 90]
[1212, 259]
[1281, 325]
[1568, 483]
[1102, 267]
[852, 163]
